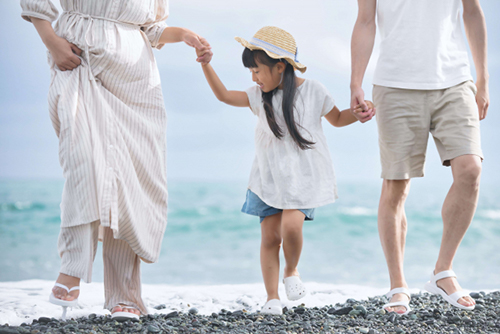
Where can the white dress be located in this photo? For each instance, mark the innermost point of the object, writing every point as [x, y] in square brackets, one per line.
[283, 175]
[109, 116]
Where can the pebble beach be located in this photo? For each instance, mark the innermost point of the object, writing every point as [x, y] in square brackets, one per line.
[430, 314]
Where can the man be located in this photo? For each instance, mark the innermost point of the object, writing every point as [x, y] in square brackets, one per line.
[423, 84]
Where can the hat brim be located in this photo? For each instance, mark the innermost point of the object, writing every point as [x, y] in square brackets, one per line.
[296, 65]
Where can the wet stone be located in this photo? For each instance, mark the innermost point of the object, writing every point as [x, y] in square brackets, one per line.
[172, 315]
[153, 329]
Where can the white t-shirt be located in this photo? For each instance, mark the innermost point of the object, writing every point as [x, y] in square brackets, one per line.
[283, 175]
[422, 44]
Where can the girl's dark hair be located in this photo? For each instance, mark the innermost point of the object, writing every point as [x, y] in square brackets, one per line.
[250, 59]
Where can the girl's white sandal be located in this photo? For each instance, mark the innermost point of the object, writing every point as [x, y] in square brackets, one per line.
[64, 303]
[432, 287]
[272, 307]
[400, 303]
[294, 288]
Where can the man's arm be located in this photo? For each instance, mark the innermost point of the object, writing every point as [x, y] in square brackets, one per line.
[475, 28]
[363, 38]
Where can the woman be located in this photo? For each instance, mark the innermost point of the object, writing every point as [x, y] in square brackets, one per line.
[107, 109]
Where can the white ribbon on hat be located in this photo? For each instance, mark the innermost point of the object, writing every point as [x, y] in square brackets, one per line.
[273, 48]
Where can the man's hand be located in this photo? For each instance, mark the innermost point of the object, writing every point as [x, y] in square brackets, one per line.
[364, 115]
[482, 99]
[358, 98]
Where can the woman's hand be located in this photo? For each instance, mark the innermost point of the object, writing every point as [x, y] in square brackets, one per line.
[203, 48]
[63, 52]
[204, 55]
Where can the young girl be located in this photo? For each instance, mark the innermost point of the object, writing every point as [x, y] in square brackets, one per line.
[292, 173]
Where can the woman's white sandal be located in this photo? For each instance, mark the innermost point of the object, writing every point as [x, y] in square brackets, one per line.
[272, 307]
[403, 303]
[64, 303]
[124, 316]
[432, 287]
[294, 288]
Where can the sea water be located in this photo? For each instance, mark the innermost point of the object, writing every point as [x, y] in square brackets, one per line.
[208, 241]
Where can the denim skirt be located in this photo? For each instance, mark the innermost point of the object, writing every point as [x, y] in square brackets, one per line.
[255, 206]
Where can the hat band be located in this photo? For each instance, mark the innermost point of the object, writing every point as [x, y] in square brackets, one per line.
[273, 48]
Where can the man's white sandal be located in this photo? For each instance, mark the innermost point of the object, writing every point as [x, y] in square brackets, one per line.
[272, 307]
[64, 303]
[294, 288]
[400, 303]
[432, 287]
[124, 316]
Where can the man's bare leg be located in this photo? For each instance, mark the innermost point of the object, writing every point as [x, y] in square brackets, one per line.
[392, 227]
[458, 210]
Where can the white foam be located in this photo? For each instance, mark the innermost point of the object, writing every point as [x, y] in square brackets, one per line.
[27, 300]
[490, 214]
[358, 211]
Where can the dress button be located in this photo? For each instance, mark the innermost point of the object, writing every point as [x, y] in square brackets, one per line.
[110, 168]
[111, 147]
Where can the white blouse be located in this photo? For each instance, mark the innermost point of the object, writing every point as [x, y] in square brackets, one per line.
[110, 118]
[283, 175]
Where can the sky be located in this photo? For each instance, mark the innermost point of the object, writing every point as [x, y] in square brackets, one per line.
[206, 139]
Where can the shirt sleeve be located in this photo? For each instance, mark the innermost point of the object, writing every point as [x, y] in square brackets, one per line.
[154, 28]
[255, 98]
[41, 9]
[326, 98]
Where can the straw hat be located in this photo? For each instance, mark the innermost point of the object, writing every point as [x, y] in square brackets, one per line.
[277, 43]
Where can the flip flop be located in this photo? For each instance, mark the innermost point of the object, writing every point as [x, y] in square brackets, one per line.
[294, 288]
[400, 303]
[64, 303]
[432, 287]
[124, 316]
[272, 307]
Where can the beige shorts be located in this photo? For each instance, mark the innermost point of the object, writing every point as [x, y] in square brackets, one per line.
[406, 116]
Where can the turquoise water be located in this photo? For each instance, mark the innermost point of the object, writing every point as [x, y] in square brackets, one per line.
[209, 241]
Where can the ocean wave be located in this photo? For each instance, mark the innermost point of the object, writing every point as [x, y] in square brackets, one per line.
[22, 206]
[489, 214]
[358, 211]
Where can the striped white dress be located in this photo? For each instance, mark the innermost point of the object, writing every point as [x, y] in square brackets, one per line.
[110, 117]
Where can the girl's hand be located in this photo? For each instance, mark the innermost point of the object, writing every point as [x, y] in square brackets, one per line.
[64, 53]
[204, 57]
[362, 115]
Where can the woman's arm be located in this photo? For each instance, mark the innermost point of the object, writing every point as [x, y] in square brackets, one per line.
[345, 117]
[63, 52]
[176, 35]
[231, 97]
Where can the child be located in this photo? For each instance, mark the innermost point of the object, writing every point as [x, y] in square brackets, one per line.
[292, 173]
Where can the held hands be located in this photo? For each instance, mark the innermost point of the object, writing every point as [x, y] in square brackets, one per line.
[364, 115]
[361, 109]
[203, 48]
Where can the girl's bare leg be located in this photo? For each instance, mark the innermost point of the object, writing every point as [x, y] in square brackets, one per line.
[291, 231]
[269, 254]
